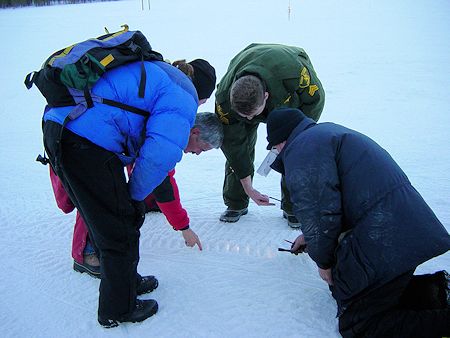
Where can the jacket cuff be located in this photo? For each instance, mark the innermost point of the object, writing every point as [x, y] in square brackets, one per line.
[185, 228]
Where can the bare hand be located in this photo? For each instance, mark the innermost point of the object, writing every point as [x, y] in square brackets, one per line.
[191, 238]
[299, 245]
[255, 195]
[259, 198]
[326, 275]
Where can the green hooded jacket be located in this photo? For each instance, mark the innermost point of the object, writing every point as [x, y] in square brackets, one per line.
[290, 80]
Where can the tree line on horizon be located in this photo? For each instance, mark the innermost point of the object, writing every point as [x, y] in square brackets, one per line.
[24, 3]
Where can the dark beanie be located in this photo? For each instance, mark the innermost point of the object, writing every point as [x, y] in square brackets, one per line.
[204, 78]
[280, 124]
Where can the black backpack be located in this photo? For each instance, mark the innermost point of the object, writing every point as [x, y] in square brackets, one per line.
[68, 75]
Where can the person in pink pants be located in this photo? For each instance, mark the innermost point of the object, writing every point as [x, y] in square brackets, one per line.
[165, 198]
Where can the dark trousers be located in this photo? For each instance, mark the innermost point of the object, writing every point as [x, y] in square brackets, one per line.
[407, 307]
[286, 203]
[235, 197]
[95, 182]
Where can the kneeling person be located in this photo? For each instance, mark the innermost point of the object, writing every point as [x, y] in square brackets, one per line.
[365, 226]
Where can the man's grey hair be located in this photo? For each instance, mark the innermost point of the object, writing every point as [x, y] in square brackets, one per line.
[211, 129]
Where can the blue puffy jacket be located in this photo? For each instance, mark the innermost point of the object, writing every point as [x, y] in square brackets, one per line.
[155, 144]
[359, 213]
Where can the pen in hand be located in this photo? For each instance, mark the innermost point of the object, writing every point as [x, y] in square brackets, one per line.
[301, 249]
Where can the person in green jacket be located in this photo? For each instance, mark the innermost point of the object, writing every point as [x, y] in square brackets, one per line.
[260, 78]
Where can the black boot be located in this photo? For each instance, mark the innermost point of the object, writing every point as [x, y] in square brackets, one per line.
[146, 284]
[291, 219]
[143, 310]
[232, 216]
[444, 277]
[427, 292]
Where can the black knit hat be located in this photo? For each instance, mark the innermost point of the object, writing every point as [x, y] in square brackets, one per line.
[204, 78]
[280, 124]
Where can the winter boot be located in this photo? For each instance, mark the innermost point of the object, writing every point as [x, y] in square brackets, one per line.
[146, 285]
[142, 310]
[90, 265]
[232, 216]
[292, 220]
[427, 292]
[445, 286]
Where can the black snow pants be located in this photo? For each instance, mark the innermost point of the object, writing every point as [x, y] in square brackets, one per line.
[407, 307]
[95, 181]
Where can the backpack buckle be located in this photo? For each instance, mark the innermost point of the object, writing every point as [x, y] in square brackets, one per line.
[43, 159]
[29, 80]
[134, 47]
[84, 59]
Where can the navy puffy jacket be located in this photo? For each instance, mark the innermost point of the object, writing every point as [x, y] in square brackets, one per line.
[360, 215]
[155, 144]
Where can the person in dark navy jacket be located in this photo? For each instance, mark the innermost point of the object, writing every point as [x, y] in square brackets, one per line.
[90, 152]
[365, 226]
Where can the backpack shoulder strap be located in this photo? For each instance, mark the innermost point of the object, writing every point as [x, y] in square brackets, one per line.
[124, 106]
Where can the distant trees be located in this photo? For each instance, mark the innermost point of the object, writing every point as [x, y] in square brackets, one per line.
[23, 3]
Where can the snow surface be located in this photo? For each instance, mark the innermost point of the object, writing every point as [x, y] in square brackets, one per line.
[385, 66]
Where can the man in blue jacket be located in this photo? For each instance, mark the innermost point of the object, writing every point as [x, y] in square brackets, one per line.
[89, 155]
[365, 226]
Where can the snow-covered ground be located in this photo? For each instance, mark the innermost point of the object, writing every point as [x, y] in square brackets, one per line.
[385, 66]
